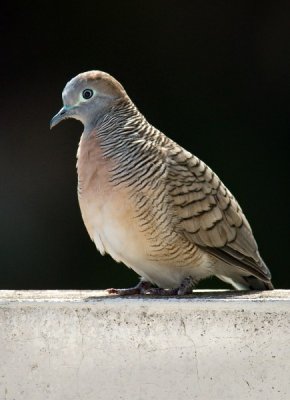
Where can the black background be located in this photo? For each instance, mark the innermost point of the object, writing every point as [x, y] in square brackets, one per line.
[213, 75]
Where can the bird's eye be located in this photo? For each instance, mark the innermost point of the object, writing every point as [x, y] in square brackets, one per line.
[87, 94]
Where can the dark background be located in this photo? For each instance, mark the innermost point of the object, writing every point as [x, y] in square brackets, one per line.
[213, 75]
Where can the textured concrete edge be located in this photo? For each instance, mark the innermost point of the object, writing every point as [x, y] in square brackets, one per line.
[277, 300]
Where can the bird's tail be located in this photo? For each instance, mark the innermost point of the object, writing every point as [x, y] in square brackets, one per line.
[252, 283]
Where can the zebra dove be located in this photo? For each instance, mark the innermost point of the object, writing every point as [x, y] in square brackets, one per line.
[150, 203]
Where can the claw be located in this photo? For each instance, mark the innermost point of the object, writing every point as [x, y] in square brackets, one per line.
[124, 292]
[138, 289]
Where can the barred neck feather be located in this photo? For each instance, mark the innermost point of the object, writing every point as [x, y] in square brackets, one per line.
[124, 122]
[132, 143]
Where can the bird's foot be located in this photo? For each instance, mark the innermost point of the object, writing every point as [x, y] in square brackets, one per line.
[161, 292]
[141, 288]
[185, 287]
[145, 288]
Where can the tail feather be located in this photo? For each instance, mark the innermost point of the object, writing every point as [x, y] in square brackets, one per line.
[250, 282]
[254, 283]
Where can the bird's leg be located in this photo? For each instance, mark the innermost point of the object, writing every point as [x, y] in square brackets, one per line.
[185, 287]
[141, 288]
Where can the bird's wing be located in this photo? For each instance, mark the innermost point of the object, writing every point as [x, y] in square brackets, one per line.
[207, 214]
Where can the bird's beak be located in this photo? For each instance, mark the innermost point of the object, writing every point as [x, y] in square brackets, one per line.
[63, 113]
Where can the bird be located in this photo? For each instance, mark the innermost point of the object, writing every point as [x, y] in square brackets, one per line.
[151, 204]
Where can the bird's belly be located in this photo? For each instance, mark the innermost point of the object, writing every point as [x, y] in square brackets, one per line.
[109, 219]
[114, 230]
[112, 225]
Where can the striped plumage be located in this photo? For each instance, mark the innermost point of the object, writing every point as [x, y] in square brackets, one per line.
[151, 204]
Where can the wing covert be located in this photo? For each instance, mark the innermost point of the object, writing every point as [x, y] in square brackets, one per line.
[206, 213]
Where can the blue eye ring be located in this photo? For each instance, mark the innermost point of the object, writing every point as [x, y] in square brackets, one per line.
[87, 94]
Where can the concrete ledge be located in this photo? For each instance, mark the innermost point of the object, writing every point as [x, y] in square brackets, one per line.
[60, 345]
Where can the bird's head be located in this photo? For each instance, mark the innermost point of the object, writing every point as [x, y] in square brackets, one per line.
[87, 96]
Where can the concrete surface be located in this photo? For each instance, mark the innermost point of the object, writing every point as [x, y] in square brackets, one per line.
[58, 345]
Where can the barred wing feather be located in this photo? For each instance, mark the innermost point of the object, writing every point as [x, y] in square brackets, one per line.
[207, 214]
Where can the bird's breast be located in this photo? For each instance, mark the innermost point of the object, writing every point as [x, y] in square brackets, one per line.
[106, 209]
